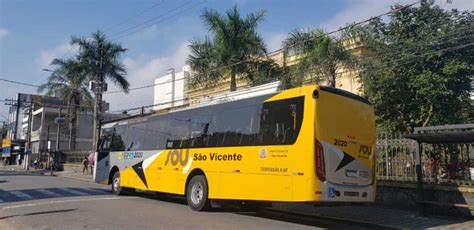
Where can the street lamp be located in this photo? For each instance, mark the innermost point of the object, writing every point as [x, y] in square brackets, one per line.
[59, 121]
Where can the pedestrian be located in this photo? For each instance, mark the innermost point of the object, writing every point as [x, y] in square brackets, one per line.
[85, 164]
[52, 162]
[90, 159]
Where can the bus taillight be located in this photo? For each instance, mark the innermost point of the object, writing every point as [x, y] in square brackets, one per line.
[319, 160]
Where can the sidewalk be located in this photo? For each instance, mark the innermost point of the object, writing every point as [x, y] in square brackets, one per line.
[19, 168]
[377, 216]
[75, 175]
[72, 174]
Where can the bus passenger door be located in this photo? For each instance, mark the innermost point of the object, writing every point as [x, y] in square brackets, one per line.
[167, 171]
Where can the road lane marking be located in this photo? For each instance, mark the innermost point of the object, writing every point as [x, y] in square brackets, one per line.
[66, 201]
[21, 195]
[77, 193]
[49, 193]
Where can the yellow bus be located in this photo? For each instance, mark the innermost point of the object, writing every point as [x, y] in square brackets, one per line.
[306, 144]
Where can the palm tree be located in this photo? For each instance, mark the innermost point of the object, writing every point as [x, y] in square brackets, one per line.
[320, 56]
[70, 83]
[233, 41]
[100, 59]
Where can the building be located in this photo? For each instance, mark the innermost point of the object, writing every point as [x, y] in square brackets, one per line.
[33, 127]
[13, 144]
[169, 90]
[44, 130]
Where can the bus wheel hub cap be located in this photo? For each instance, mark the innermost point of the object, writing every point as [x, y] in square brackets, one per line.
[197, 193]
[116, 183]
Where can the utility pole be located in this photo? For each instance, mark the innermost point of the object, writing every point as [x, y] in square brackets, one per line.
[18, 104]
[28, 151]
[59, 120]
[48, 148]
[58, 135]
[99, 87]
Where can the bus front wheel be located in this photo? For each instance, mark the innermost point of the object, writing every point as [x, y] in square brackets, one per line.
[197, 193]
[116, 188]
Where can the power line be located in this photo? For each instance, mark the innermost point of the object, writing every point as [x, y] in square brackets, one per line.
[156, 23]
[134, 16]
[151, 19]
[17, 82]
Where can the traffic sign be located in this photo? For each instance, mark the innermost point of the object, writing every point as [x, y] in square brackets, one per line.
[60, 120]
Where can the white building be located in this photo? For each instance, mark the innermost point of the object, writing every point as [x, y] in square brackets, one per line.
[169, 89]
[239, 94]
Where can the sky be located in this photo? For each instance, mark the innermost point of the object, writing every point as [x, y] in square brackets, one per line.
[34, 32]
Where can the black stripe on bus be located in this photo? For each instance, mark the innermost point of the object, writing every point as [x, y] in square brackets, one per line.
[345, 94]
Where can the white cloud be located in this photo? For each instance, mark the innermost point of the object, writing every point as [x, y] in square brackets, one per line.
[142, 71]
[358, 10]
[3, 32]
[60, 51]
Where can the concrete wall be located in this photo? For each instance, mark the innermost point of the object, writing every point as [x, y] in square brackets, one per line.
[444, 200]
[45, 117]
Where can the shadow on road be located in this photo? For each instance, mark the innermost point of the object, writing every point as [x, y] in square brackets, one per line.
[39, 213]
[362, 217]
[263, 213]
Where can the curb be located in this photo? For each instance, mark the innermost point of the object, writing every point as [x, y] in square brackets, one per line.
[47, 173]
[73, 178]
[331, 218]
[25, 171]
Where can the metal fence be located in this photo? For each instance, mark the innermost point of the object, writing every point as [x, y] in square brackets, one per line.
[441, 163]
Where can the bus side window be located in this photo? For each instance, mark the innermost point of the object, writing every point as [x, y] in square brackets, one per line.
[116, 141]
[281, 121]
[156, 134]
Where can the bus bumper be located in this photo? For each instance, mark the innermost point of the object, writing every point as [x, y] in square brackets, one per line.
[331, 192]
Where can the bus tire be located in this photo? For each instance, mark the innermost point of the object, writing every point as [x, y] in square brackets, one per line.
[116, 188]
[197, 192]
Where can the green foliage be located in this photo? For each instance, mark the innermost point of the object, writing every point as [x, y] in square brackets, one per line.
[97, 50]
[229, 50]
[421, 66]
[69, 81]
[320, 57]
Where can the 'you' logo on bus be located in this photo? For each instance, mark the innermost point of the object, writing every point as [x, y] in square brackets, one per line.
[177, 156]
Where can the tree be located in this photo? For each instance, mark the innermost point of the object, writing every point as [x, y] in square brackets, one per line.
[320, 56]
[229, 51]
[421, 67]
[100, 59]
[70, 83]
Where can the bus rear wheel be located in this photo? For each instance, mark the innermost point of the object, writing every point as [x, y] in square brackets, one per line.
[116, 188]
[197, 193]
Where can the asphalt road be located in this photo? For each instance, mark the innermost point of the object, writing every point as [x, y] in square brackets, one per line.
[29, 201]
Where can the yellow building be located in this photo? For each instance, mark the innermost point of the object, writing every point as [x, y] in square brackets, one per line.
[347, 78]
